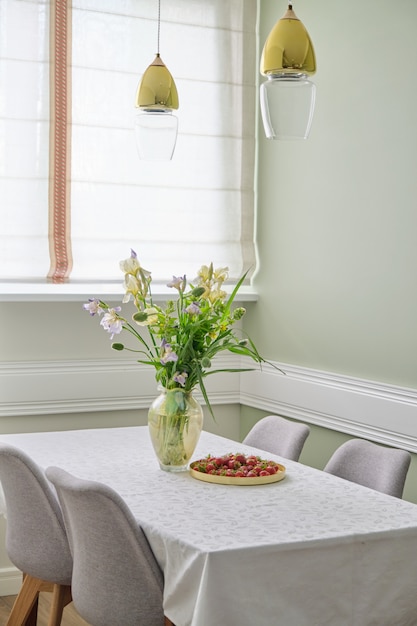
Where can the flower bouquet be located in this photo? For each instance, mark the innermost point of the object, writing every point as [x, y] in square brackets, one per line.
[179, 340]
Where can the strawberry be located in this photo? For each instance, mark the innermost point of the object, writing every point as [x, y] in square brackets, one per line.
[236, 465]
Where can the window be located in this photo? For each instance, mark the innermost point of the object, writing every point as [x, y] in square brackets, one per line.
[71, 182]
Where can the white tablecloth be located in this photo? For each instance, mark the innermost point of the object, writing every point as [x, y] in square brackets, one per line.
[310, 550]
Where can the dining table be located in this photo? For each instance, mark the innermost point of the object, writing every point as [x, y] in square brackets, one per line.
[310, 550]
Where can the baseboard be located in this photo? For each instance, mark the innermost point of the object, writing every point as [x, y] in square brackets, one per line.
[10, 581]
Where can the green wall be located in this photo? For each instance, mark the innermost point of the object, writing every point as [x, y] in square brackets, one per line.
[320, 445]
[337, 214]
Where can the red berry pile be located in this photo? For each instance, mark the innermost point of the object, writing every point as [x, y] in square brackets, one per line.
[236, 465]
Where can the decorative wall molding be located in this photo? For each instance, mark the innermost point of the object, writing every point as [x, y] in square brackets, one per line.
[377, 411]
[53, 387]
[372, 410]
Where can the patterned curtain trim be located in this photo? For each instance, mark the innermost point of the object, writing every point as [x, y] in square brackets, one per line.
[60, 142]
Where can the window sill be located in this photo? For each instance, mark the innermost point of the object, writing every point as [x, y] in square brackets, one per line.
[109, 292]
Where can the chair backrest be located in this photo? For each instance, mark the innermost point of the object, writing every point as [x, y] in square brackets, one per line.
[372, 465]
[278, 435]
[36, 540]
[116, 578]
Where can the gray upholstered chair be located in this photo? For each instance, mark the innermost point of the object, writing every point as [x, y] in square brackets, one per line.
[278, 435]
[372, 465]
[36, 540]
[116, 578]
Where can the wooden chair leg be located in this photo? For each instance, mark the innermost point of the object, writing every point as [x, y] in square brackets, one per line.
[24, 607]
[32, 618]
[61, 596]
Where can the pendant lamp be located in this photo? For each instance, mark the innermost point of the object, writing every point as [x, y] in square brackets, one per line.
[287, 98]
[156, 127]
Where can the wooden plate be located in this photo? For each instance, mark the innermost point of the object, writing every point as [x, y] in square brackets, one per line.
[238, 480]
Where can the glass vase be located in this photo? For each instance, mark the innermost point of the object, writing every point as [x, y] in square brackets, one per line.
[175, 421]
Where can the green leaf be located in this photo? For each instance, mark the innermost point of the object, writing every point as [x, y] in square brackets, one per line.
[233, 294]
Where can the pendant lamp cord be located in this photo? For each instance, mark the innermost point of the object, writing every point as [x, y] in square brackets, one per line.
[159, 24]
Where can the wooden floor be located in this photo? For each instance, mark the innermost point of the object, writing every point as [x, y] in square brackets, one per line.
[70, 617]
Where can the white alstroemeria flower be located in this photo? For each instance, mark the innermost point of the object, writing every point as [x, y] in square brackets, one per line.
[132, 287]
[111, 322]
[216, 294]
[178, 282]
[93, 306]
[130, 265]
[193, 309]
[167, 353]
[180, 378]
[220, 275]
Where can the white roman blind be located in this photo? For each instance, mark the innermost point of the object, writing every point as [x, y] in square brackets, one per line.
[24, 138]
[177, 215]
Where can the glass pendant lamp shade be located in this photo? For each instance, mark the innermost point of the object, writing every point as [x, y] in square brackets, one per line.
[287, 98]
[156, 135]
[287, 106]
[156, 127]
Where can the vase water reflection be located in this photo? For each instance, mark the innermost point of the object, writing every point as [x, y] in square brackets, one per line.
[175, 421]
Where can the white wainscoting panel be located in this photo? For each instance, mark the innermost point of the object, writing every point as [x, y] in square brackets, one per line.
[41, 387]
[368, 409]
[377, 411]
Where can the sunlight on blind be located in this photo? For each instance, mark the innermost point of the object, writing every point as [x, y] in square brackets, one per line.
[197, 208]
[24, 137]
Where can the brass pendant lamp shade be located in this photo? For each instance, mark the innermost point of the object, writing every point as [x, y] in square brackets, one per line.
[288, 97]
[156, 127]
[157, 90]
